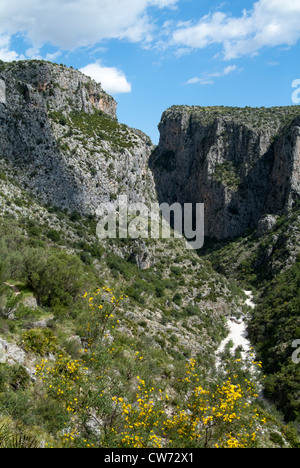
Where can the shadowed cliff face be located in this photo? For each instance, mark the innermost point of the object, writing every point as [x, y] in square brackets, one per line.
[241, 163]
[60, 135]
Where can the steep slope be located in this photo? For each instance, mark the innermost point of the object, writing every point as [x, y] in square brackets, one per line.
[61, 138]
[266, 260]
[161, 338]
[241, 163]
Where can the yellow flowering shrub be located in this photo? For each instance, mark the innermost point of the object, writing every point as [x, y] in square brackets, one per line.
[64, 379]
[214, 418]
[222, 417]
[101, 319]
[141, 419]
[128, 410]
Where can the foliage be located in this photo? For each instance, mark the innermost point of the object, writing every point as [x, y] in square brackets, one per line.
[13, 377]
[40, 341]
[99, 125]
[13, 436]
[135, 411]
[274, 327]
[226, 173]
[54, 276]
[118, 378]
[165, 160]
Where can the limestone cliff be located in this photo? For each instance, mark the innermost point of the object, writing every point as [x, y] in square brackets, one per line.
[60, 137]
[62, 88]
[241, 163]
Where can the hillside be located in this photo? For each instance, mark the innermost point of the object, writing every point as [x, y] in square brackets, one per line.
[112, 343]
[266, 260]
[63, 126]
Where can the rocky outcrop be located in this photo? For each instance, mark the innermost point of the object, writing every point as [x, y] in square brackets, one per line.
[61, 88]
[60, 136]
[11, 353]
[266, 224]
[241, 163]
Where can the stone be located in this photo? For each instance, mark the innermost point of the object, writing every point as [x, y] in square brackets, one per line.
[40, 324]
[266, 225]
[11, 353]
[30, 302]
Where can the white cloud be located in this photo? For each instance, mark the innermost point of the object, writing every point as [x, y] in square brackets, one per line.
[6, 54]
[52, 57]
[201, 81]
[270, 23]
[70, 24]
[33, 53]
[207, 79]
[112, 80]
[229, 69]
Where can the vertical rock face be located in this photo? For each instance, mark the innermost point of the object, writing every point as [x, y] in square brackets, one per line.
[241, 163]
[285, 177]
[62, 88]
[61, 139]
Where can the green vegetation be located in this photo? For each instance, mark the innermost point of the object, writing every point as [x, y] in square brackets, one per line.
[15, 436]
[39, 341]
[226, 174]
[166, 160]
[96, 352]
[100, 126]
[275, 325]
[269, 265]
[112, 360]
[262, 118]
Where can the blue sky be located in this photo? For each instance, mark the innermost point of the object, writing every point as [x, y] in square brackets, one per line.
[151, 54]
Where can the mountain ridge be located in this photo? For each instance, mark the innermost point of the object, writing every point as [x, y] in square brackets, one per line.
[63, 126]
[242, 163]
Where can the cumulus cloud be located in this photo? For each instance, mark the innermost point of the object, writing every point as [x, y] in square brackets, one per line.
[270, 23]
[78, 23]
[112, 80]
[6, 54]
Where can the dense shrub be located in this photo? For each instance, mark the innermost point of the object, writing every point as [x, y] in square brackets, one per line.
[55, 277]
[53, 235]
[39, 341]
[13, 377]
[274, 327]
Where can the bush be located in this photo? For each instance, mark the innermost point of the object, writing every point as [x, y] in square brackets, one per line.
[53, 235]
[74, 217]
[40, 341]
[14, 435]
[177, 299]
[56, 277]
[192, 310]
[273, 328]
[18, 377]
